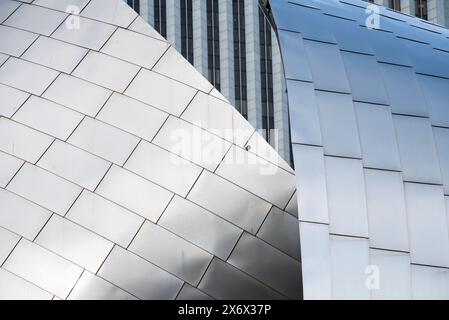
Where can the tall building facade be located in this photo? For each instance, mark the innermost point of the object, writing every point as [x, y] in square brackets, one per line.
[234, 46]
[435, 11]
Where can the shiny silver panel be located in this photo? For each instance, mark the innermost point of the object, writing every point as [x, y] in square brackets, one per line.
[12, 99]
[15, 288]
[430, 283]
[15, 41]
[8, 241]
[442, 142]
[110, 11]
[9, 166]
[191, 293]
[436, 91]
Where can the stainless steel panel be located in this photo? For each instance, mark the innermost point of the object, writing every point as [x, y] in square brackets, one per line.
[236, 205]
[152, 88]
[14, 288]
[139, 277]
[49, 271]
[135, 48]
[192, 143]
[77, 94]
[315, 261]
[442, 142]
[63, 56]
[132, 116]
[338, 124]
[222, 281]
[386, 210]
[105, 218]
[365, 88]
[9, 166]
[273, 184]
[91, 287]
[387, 47]
[74, 164]
[219, 118]
[436, 91]
[61, 5]
[173, 65]
[16, 73]
[346, 197]
[25, 18]
[304, 120]
[141, 26]
[44, 188]
[430, 283]
[258, 259]
[292, 206]
[427, 224]
[15, 210]
[311, 182]
[40, 114]
[171, 253]
[377, 137]
[74, 243]
[14, 41]
[394, 275]
[135, 193]
[200, 227]
[190, 293]
[287, 240]
[350, 260]
[8, 241]
[106, 71]
[295, 54]
[349, 35]
[91, 34]
[111, 11]
[163, 168]
[417, 149]
[104, 140]
[326, 65]
[12, 99]
[6, 8]
[22, 141]
[404, 91]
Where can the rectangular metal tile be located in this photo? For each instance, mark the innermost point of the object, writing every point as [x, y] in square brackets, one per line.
[164, 168]
[132, 116]
[12, 99]
[294, 53]
[49, 271]
[442, 142]
[9, 166]
[61, 5]
[105, 218]
[91, 287]
[40, 114]
[21, 141]
[106, 71]
[191, 293]
[74, 164]
[77, 94]
[74, 243]
[139, 277]
[259, 259]
[135, 193]
[8, 241]
[386, 210]
[44, 188]
[200, 227]
[430, 283]
[63, 57]
[14, 288]
[427, 224]
[436, 91]
[16, 73]
[236, 205]
[110, 11]
[104, 140]
[151, 87]
[6, 8]
[171, 253]
[15, 41]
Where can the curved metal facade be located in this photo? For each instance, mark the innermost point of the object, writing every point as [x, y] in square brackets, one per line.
[124, 174]
[369, 109]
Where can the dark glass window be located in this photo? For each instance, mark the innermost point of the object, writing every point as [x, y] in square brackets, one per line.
[238, 11]
[187, 30]
[135, 4]
[421, 9]
[160, 17]
[266, 72]
[395, 4]
[213, 43]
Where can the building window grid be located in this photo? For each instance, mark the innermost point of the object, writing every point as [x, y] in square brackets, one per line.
[160, 17]
[395, 4]
[240, 57]
[213, 43]
[266, 70]
[135, 4]
[421, 9]
[187, 30]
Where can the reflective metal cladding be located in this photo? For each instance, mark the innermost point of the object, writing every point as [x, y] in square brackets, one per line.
[124, 174]
[368, 98]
